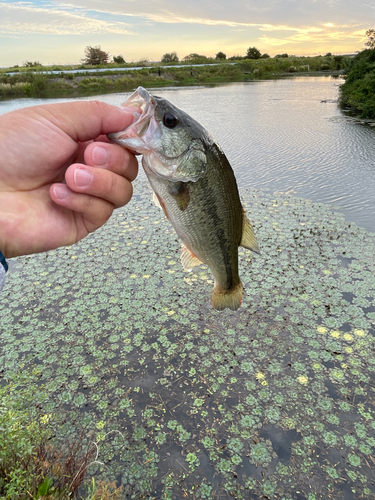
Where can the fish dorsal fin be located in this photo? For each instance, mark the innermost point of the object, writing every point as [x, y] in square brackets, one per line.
[248, 239]
[188, 259]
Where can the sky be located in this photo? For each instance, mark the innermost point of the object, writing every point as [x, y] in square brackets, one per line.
[57, 32]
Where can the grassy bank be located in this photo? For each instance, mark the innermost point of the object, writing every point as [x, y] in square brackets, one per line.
[39, 83]
[358, 91]
[32, 465]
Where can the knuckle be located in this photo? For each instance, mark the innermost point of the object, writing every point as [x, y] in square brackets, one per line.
[98, 107]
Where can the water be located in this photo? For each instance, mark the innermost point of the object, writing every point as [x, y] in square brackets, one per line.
[275, 400]
[284, 136]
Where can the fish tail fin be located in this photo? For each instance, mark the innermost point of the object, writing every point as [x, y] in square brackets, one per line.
[231, 299]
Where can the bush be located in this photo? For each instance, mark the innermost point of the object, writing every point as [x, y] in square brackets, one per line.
[221, 56]
[170, 57]
[253, 53]
[358, 91]
[118, 60]
[30, 466]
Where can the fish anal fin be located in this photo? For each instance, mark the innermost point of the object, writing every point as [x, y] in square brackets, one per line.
[188, 259]
[248, 239]
[222, 299]
[159, 203]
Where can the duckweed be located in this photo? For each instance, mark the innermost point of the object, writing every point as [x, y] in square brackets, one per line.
[275, 399]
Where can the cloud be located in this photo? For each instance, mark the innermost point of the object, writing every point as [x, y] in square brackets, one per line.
[45, 27]
[25, 18]
[235, 13]
[316, 36]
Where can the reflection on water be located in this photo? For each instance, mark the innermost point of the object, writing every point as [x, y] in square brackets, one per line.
[286, 136]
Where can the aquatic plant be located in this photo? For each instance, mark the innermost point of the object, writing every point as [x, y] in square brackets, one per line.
[272, 393]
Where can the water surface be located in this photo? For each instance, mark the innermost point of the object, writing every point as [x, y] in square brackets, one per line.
[275, 400]
[286, 136]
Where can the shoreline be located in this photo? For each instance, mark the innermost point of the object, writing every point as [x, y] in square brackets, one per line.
[112, 80]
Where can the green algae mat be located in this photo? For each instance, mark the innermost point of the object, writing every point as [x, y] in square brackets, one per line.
[275, 400]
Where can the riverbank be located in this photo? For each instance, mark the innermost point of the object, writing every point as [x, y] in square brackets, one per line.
[357, 93]
[49, 82]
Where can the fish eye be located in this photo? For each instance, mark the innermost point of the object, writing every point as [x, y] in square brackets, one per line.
[169, 120]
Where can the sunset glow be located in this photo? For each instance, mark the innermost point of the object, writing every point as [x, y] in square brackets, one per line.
[57, 32]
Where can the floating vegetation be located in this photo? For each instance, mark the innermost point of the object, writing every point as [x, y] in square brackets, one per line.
[275, 399]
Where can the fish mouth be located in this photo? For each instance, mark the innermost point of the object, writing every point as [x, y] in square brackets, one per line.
[133, 137]
[145, 130]
[144, 135]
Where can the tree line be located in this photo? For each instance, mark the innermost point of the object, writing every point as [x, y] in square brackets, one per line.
[95, 56]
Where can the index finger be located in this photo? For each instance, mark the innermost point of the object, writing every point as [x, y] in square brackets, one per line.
[86, 120]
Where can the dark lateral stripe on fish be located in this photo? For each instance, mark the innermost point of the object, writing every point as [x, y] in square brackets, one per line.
[213, 214]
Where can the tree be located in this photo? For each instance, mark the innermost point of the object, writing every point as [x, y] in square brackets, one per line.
[282, 55]
[371, 38]
[264, 56]
[195, 58]
[220, 56]
[32, 64]
[253, 53]
[95, 56]
[118, 60]
[339, 62]
[170, 57]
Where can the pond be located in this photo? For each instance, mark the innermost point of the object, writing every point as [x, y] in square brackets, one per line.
[275, 400]
[283, 136]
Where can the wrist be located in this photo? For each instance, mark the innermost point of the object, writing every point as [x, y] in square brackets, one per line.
[3, 262]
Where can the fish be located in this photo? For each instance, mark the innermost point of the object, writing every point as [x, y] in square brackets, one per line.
[195, 186]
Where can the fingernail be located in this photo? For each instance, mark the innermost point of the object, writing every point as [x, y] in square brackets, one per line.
[99, 156]
[82, 178]
[61, 191]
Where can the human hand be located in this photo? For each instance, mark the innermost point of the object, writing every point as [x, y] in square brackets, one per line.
[42, 146]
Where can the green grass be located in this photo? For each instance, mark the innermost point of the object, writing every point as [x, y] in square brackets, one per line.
[31, 466]
[32, 83]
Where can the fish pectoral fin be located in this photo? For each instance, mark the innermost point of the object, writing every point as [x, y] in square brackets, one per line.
[188, 259]
[155, 199]
[180, 192]
[248, 239]
[159, 203]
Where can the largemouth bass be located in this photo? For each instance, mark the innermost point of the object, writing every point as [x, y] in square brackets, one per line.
[195, 186]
